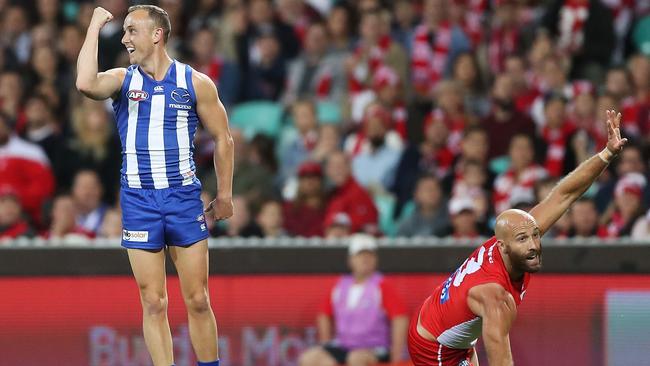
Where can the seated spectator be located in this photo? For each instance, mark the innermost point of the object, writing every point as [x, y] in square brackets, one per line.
[266, 73]
[205, 59]
[641, 229]
[628, 204]
[305, 214]
[111, 227]
[363, 321]
[555, 133]
[467, 72]
[329, 142]
[374, 168]
[436, 44]
[522, 174]
[63, 225]
[473, 148]
[269, 220]
[337, 226]
[589, 135]
[630, 160]
[255, 166]
[542, 189]
[388, 90]
[348, 196]
[87, 192]
[378, 118]
[432, 157]
[25, 169]
[318, 72]
[636, 108]
[584, 220]
[339, 27]
[94, 147]
[471, 181]
[239, 224]
[431, 216]
[505, 121]
[297, 147]
[449, 99]
[12, 223]
[464, 220]
[42, 128]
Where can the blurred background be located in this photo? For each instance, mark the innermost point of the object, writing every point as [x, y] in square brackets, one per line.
[416, 122]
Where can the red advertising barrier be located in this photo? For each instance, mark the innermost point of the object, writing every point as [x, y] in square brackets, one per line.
[268, 320]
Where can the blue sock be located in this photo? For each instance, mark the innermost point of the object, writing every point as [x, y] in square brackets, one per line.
[213, 363]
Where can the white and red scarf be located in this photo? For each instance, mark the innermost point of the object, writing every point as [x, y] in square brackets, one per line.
[573, 15]
[428, 60]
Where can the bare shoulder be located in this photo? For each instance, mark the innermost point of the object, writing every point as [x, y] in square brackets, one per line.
[203, 85]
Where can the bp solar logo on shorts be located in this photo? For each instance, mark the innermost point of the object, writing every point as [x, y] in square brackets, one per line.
[135, 236]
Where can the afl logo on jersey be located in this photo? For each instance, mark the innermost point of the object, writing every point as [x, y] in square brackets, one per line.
[181, 95]
[137, 95]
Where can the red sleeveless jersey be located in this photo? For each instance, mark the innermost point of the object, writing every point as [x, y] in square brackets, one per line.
[446, 314]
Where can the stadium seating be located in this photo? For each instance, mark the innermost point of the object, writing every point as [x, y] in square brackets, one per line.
[257, 117]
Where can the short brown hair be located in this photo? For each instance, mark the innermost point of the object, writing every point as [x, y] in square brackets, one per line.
[158, 15]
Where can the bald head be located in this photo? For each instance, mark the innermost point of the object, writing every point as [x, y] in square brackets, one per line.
[510, 221]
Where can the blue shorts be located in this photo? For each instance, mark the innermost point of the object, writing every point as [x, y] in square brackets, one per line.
[153, 218]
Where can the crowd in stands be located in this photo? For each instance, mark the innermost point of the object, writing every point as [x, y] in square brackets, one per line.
[393, 118]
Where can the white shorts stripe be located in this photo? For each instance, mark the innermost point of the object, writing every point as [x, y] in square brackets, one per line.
[440, 355]
[157, 142]
[131, 172]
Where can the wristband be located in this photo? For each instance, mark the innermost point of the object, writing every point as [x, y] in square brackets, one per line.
[606, 155]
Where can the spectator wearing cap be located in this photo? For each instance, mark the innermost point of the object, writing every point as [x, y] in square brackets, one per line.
[363, 321]
[318, 72]
[12, 222]
[584, 220]
[431, 216]
[628, 204]
[337, 226]
[348, 196]
[304, 215]
[375, 117]
[521, 176]
[464, 220]
[87, 192]
[25, 169]
[374, 167]
[430, 157]
[505, 121]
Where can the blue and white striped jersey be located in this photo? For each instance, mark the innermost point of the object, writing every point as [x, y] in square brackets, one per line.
[157, 121]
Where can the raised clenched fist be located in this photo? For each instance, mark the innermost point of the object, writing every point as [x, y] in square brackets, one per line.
[100, 17]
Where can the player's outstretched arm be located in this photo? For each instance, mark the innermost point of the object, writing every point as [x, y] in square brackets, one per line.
[215, 120]
[570, 188]
[92, 84]
[498, 310]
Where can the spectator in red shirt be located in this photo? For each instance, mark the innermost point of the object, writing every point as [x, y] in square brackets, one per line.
[12, 222]
[24, 167]
[348, 196]
[628, 204]
[305, 214]
[363, 321]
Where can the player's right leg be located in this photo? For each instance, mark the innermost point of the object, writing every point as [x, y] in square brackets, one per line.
[317, 356]
[149, 271]
[144, 239]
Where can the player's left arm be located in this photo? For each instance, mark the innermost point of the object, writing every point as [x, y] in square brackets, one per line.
[571, 187]
[213, 116]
